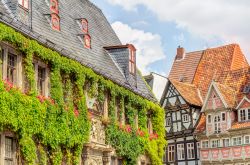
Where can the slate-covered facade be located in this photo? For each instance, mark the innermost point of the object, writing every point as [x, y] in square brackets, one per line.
[78, 30]
[186, 90]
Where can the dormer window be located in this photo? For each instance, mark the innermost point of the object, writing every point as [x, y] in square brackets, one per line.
[55, 22]
[85, 26]
[24, 3]
[132, 61]
[87, 41]
[244, 114]
[54, 6]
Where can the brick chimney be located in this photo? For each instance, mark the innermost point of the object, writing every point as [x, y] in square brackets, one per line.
[180, 53]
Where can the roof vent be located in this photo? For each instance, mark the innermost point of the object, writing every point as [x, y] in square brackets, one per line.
[180, 53]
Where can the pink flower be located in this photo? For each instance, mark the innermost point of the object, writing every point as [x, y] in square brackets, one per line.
[76, 112]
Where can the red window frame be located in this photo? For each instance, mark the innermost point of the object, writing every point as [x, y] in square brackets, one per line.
[132, 62]
[24, 3]
[54, 9]
[55, 18]
[87, 41]
[85, 25]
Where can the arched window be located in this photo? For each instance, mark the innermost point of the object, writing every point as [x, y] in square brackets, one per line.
[85, 25]
[55, 22]
[54, 8]
[87, 41]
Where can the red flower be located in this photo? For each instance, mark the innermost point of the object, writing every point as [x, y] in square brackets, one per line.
[153, 136]
[8, 85]
[140, 133]
[41, 98]
[76, 112]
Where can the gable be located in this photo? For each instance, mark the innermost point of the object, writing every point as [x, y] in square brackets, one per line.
[214, 101]
[244, 103]
[172, 97]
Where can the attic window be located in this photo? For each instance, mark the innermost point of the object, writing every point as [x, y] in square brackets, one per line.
[24, 3]
[132, 61]
[87, 41]
[55, 22]
[54, 6]
[85, 26]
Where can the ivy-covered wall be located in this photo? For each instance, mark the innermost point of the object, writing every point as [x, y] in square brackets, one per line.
[55, 129]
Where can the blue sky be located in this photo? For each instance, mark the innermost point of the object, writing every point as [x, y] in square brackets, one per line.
[157, 27]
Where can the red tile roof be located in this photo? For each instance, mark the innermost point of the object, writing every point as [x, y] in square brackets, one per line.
[240, 125]
[186, 67]
[216, 61]
[201, 125]
[188, 91]
[228, 94]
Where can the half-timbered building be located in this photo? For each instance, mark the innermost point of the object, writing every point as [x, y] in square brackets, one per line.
[223, 130]
[184, 95]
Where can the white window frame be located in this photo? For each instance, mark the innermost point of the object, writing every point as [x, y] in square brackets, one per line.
[171, 153]
[237, 142]
[190, 151]
[3, 140]
[224, 143]
[217, 124]
[245, 141]
[215, 143]
[242, 112]
[185, 118]
[180, 151]
[205, 144]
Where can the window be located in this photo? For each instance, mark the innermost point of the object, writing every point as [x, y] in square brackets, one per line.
[217, 128]
[180, 152]
[209, 119]
[149, 125]
[171, 153]
[226, 142]
[215, 143]
[205, 144]
[185, 118]
[54, 6]
[248, 114]
[24, 3]
[247, 139]
[168, 121]
[87, 41]
[132, 62]
[223, 116]
[55, 22]
[41, 80]
[242, 115]
[190, 150]
[85, 25]
[9, 150]
[11, 68]
[237, 141]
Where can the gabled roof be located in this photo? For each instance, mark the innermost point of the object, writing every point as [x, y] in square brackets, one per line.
[67, 42]
[244, 103]
[186, 67]
[188, 91]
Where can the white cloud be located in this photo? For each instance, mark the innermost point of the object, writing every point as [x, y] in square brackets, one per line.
[227, 20]
[149, 46]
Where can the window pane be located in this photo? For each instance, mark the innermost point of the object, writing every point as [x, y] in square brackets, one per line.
[41, 80]
[26, 4]
[11, 68]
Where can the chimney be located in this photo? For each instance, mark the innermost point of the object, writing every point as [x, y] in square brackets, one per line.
[180, 53]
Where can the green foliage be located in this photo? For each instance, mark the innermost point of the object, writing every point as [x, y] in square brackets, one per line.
[54, 122]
